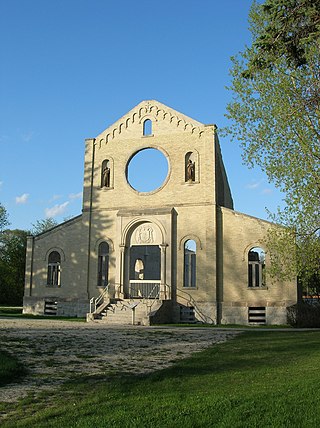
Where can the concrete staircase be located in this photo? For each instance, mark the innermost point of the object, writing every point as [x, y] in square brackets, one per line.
[126, 312]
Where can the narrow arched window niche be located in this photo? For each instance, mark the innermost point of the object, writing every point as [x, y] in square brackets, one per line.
[106, 179]
[256, 268]
[105, 173]
[147, 128]
[190, 259]
[103, 264]
[191, 167]
[54, 269]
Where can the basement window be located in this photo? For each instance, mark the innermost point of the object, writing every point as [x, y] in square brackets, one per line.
[257, 315]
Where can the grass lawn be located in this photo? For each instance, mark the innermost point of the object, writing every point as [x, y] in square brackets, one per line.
[259, 379]
[10, 368]
[10, 310]
[16, 312]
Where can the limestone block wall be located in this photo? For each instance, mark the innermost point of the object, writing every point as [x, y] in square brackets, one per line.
[175, 135]
[73, 308]
[238, 314]
[103, 228]
[206, 312]
[33, 305]
[163, 314]
[198, 223]
[64, 307]
[174, 190]
[238, 234]
[70, 240]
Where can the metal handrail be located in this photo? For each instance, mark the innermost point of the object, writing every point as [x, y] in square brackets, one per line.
[157, 295]
[192, 302]
[154, 299]
[96, 301]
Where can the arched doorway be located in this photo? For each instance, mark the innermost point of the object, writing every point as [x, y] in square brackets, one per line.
[144, 262]
[145, 271]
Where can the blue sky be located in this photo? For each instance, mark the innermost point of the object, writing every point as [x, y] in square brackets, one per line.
[70, 68]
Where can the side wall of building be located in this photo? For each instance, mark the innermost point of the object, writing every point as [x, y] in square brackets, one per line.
[239, 233]
[70, 297]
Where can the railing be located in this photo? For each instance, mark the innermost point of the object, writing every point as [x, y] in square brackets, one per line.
[150, 301]
[191, 302]
[95, 302]
[149, 289]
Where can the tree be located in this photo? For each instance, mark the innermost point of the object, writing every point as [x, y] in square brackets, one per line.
[12, 266]
[290, 28]
[43, 225]
[3, 218]
[275, 113]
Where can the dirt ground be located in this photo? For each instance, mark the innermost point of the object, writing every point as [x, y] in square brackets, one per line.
[55, 351]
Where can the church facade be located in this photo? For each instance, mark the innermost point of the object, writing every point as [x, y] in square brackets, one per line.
[176, 253]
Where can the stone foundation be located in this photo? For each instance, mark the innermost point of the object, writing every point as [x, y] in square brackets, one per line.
[56, 306]
[234, 314]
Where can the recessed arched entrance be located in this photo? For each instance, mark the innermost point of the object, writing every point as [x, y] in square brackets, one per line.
[144, 261]
[144, 271]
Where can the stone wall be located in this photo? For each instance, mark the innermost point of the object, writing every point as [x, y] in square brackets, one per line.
[181, 209]
[64, 307]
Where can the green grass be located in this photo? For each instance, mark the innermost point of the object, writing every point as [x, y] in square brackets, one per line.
[16, 312]
[10, 368]
[259, 379]
[10, 310]
[232, 326]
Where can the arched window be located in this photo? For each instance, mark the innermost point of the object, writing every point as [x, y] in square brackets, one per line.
[147, 127]
[53, 274]
[105, 173]
[190, 254]
[190, 167]
[103, 264]
[256, 267]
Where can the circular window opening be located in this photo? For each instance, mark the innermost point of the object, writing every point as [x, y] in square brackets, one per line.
[147, 170]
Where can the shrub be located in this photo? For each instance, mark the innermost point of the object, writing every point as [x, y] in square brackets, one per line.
[304, 315]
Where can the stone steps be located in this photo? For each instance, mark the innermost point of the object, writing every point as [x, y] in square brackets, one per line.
[128, 312]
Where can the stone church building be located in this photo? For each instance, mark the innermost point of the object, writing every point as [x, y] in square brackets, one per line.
[177, 253]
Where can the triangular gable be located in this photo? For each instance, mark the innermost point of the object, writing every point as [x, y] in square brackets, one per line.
[156, 111]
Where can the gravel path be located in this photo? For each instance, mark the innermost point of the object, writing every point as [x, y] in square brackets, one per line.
[55, 351]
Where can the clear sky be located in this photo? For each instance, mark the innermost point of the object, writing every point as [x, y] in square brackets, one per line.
[70, 68]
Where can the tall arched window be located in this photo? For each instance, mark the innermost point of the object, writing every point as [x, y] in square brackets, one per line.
[256, 267]
[190, 254]
[53, 274]
[147, 127]
[103, 264]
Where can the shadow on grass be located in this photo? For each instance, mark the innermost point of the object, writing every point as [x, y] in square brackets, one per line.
[11, 369]
[248, 352]
[256, 379]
